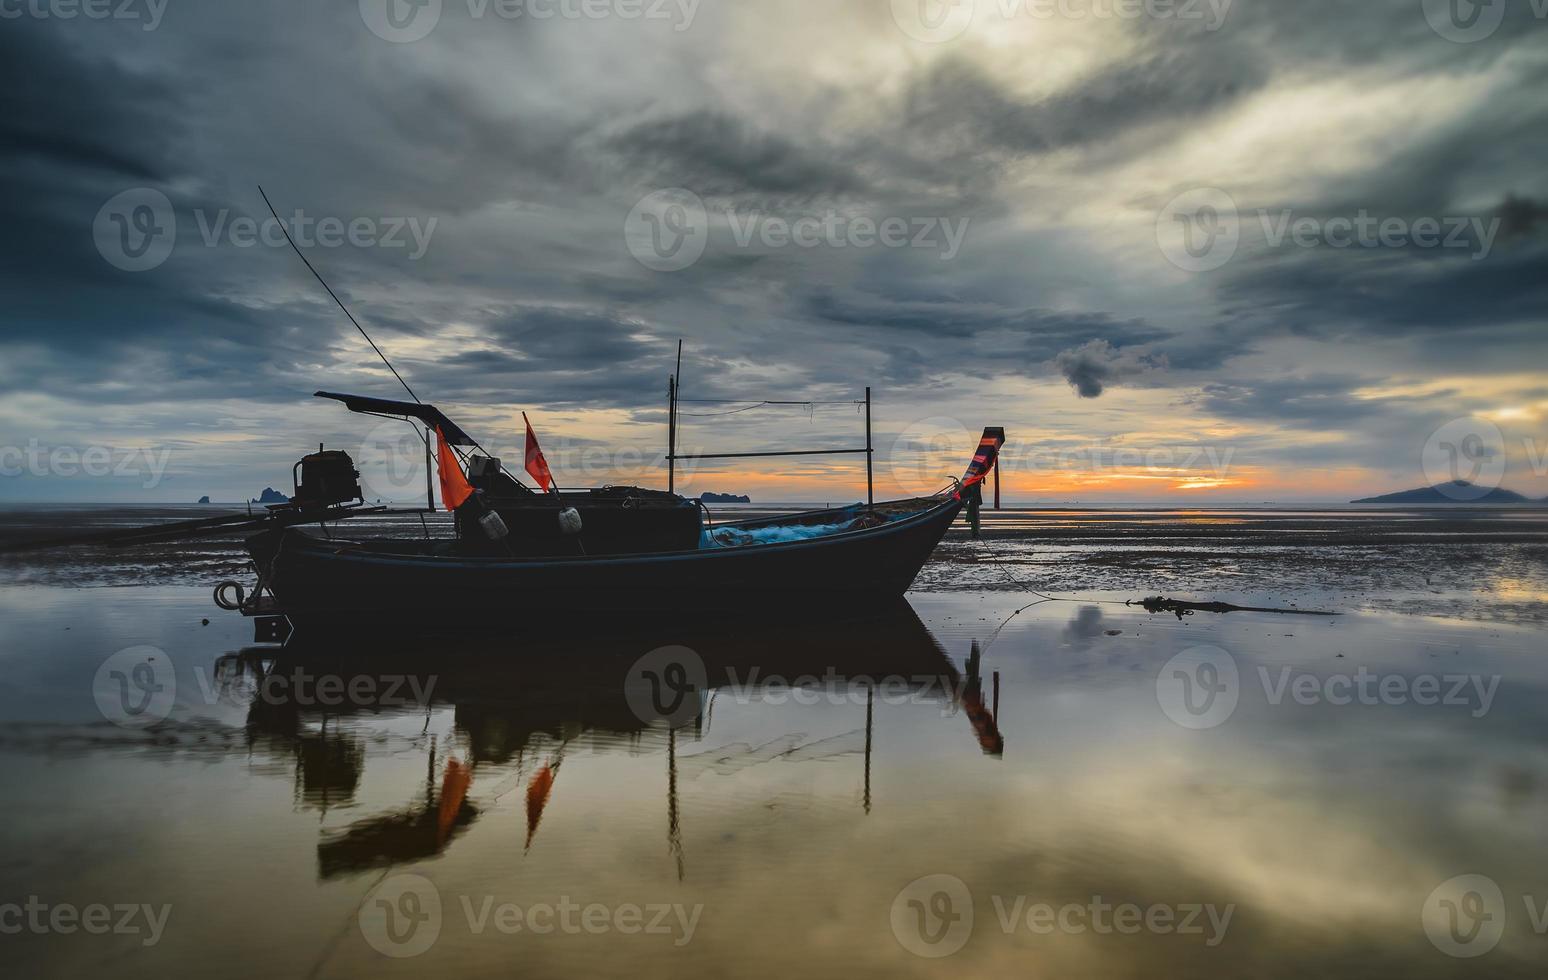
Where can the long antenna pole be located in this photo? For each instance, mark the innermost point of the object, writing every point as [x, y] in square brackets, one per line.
[336, 299]
[678, 387]
[870, 493]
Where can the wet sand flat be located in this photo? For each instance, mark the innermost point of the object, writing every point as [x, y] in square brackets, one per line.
[1074, 787]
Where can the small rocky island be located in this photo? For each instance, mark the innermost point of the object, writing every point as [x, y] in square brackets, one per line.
[724, 498]
[271, 496]
[1455, 492]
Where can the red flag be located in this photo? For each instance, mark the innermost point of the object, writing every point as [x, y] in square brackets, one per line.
[455, 489]
[538, 789]
[536, 464]
[454, 790]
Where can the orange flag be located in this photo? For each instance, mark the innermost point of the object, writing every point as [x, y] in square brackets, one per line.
[536, 464]
[455, 489]
[538, 789]
[454, 790]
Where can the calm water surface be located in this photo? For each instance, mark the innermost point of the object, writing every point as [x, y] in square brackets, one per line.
[1100, 792]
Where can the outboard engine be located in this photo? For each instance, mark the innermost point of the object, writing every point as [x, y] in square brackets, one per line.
[325, 478]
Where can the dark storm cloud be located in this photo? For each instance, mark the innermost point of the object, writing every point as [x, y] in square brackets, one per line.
[1197, 74]
[1090, 350]
[532, 142]
[1042, 333]
[1521, 217]
[717, 154]
[1319, 401]
[1454, 297]
[1094, 365]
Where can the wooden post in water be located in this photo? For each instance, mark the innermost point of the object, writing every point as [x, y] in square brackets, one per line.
[870, 493]
[870, 698]
[997, 482]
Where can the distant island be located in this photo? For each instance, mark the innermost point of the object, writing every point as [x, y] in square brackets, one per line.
[204, 499]
[724, 498]
[271, 496]
[1455, 492]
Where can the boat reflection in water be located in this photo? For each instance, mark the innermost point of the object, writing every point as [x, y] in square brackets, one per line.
[517, 704]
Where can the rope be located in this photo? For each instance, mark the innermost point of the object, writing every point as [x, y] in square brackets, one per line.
[1042, 597]
[335, 296]
[710, 415]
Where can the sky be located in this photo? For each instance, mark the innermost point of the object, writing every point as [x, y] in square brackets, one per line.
[1184, 251]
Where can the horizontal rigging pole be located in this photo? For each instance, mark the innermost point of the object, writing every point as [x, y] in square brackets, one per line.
[788, 452]
[767, 401]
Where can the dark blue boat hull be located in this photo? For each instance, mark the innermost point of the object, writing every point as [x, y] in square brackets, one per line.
[315, 579]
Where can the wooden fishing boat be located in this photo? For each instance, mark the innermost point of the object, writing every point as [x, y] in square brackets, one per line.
[519, 555]
[859, 554]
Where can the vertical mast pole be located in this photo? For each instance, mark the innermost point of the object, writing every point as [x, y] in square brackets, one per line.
[870, 493]
[997, 483]
[672, 390]
[429, 472]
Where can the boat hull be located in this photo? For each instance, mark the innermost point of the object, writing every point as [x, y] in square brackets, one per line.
[316, 580]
